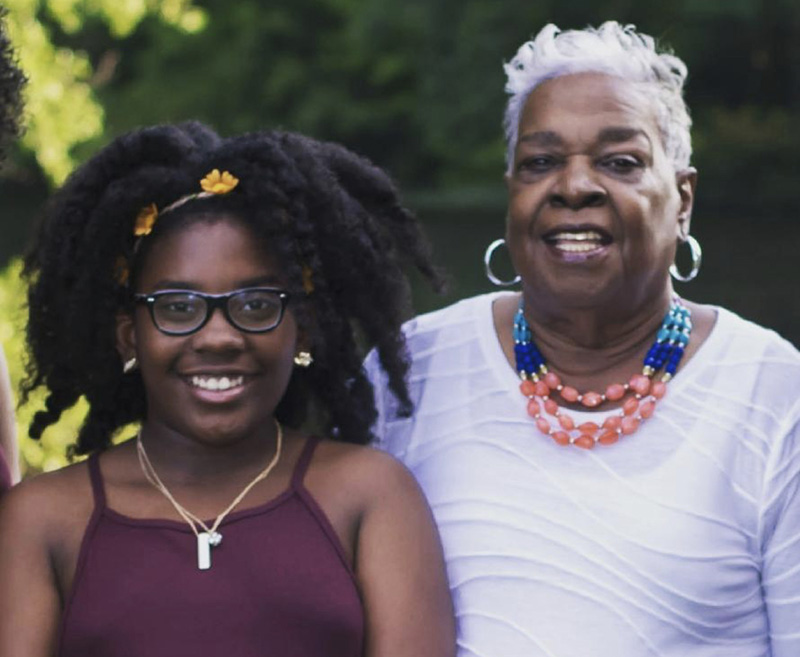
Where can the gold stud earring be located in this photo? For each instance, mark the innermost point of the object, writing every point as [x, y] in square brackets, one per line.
[130, 365]
[303, 359]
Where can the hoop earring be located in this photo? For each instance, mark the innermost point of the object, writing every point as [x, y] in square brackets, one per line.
[487, 261]
[697, 258]
[130, 365]
[303, 359]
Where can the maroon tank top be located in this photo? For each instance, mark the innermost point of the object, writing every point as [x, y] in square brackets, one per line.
[279, 584]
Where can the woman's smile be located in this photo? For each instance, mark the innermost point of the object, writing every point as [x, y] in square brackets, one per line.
[595, 206]
[577, 244]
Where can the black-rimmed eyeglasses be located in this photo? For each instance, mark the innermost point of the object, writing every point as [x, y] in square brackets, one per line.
[181, 312]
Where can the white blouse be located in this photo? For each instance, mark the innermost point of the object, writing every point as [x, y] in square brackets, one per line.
[680, 540]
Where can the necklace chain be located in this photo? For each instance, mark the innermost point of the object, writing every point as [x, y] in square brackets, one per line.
[539, 384]
[191, 519]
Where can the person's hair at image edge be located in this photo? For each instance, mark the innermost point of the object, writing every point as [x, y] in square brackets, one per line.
[320, 208]
[613, 49]
[12, 81]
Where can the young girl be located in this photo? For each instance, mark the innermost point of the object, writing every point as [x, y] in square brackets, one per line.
[218, 292]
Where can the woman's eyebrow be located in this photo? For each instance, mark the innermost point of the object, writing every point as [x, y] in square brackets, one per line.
[616, 135]
[542, 138]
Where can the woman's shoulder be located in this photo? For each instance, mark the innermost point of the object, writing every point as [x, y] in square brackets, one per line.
[424, 331]
[464, 310]
[737, 337]
[742, 342]
[774, 344]
[750, 367]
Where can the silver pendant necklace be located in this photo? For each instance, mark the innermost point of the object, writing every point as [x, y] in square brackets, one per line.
[209, 537]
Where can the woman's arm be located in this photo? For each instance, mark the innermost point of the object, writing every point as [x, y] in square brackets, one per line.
[780, 541]
[29, 601]
[8, 442]
[401, 571]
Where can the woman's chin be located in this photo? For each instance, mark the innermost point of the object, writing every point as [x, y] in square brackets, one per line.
[579, 287]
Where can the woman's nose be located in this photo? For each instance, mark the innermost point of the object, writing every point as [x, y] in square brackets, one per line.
[576, 186]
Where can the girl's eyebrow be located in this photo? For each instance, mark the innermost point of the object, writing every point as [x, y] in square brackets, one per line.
[267, 279]
[171, 284]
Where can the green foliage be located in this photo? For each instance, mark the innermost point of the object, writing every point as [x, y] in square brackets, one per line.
[330, 68]
[753, 144]
[123, 16]
[50, 452]
[417, 85]
[62, 110]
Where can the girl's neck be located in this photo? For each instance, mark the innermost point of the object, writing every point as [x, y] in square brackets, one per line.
[187, 460]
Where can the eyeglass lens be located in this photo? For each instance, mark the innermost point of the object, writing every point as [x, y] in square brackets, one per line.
[250, 310]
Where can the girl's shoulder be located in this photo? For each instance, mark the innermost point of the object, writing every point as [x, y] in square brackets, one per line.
[361, 471]
[47, 505]
[65, 486]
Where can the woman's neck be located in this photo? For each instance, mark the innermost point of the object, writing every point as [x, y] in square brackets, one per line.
[589, 348]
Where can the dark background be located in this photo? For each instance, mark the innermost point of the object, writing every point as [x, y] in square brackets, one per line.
[417, 85]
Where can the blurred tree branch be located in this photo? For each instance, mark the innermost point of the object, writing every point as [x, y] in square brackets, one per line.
[62, 110]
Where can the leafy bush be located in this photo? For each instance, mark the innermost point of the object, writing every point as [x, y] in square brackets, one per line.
[50, 452]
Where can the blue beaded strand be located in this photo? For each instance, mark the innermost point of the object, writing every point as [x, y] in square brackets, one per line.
[666, 352]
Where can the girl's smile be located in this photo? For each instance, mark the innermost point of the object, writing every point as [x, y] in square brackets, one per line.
[218, 383]
[217, 389]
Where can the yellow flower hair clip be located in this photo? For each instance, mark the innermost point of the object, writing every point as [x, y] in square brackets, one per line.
[219, 183]
[214, 184]
[308, 283]
[145, 220]
[121, 271]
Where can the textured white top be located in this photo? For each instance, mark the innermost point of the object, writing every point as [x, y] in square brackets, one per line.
[680, 540]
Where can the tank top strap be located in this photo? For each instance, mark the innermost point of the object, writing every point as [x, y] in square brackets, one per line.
[96, 477]
[302, 463]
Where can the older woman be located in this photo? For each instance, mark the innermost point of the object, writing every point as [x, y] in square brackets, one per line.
[11, 82]
[614, 469]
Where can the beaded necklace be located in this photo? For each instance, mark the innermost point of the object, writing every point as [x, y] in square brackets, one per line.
[539, 385]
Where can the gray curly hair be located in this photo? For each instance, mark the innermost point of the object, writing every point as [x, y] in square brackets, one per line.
[614, 49]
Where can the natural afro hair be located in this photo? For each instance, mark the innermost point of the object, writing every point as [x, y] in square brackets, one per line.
[321, 208]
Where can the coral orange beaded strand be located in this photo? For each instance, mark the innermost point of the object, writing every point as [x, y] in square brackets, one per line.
[539, 384]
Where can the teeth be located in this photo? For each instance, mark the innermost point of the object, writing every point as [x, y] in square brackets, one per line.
[577, 248]
[572, 242]
[589, 235]
[217, 383]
